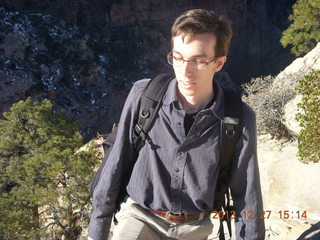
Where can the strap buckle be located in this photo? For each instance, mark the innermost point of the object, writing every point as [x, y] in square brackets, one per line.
[230, 126]
[144, 113]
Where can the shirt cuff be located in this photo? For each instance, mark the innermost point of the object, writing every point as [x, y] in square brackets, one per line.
[99, 228]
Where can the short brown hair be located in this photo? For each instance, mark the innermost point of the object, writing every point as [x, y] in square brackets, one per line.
[197, 21]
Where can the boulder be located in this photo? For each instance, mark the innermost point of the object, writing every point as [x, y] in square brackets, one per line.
[287, 185]
[289, 117]
[299, 67]
[288, 80]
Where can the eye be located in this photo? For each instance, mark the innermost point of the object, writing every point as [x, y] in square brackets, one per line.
[198, 61]
[179, 59]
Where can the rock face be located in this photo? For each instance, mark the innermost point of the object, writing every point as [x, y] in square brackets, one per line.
[288, 78]
[84, 55]
[287, 185]
[257, 25]
[289, 117]
[299, 68]
[44, 57]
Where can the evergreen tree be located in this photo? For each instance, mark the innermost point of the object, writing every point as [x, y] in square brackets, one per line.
[304, 32]
[43, 183]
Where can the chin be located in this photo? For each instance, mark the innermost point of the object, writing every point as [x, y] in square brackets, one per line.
[187, 92]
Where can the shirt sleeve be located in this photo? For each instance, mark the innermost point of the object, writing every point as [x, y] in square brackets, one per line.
[108, 186]
[245, 183]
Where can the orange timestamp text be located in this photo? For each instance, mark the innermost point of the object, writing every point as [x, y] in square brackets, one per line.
[282, 214]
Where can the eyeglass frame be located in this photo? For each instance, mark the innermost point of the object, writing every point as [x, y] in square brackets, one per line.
[193, 63]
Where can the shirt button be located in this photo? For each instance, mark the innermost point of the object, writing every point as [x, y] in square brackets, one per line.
[179, 123]
[177, 170]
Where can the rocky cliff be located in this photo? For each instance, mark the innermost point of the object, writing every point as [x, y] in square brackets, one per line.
[83, 54]
[257, 25]
[287, 184]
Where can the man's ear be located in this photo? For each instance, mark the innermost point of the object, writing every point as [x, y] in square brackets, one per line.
[219, 63]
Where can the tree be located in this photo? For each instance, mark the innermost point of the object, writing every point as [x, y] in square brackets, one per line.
[44, 184]
[304, 32]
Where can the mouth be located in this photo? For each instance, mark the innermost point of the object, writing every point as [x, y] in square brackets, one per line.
[187, 84]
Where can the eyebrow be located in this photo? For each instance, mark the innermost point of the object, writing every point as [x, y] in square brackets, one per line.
[194, 56]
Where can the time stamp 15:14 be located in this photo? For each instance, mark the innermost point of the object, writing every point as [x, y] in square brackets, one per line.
[282, 214]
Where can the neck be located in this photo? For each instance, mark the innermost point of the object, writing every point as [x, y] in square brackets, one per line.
[192, 104]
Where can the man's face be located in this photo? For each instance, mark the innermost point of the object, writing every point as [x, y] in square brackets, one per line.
[193, 82]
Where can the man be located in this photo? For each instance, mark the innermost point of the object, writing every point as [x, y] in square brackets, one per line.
[172, 185]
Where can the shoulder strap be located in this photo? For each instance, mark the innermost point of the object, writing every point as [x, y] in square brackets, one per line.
[231, 128]
[150, 103]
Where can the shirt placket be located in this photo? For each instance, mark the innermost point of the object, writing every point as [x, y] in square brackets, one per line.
[180, 159]
[177, 181]
[178, 166]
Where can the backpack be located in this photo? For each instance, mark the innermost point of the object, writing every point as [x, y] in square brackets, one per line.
[230, 131]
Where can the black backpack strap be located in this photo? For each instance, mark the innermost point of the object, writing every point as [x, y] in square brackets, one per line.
[150, 103]
[231, 129]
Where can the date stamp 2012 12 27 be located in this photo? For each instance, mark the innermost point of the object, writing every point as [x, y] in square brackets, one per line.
[282, 214]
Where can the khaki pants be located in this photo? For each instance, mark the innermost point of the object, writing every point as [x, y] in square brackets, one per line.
[135, 222]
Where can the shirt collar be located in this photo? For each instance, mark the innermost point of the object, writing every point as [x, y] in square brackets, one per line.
[217, 107]
[170, 97]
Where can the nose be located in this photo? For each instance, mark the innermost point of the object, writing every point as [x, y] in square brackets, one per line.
[186, 68]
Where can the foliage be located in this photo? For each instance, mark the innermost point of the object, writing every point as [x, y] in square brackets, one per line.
[304, 32]
[309, 118]
[268, 102]
[43, 183]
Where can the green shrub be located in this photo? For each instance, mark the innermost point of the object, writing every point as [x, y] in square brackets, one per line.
[309, 118]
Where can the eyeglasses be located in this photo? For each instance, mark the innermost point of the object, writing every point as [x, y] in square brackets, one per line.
[195, 64]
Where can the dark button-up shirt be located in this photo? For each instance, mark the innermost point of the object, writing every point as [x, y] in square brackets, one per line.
[176, 171]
